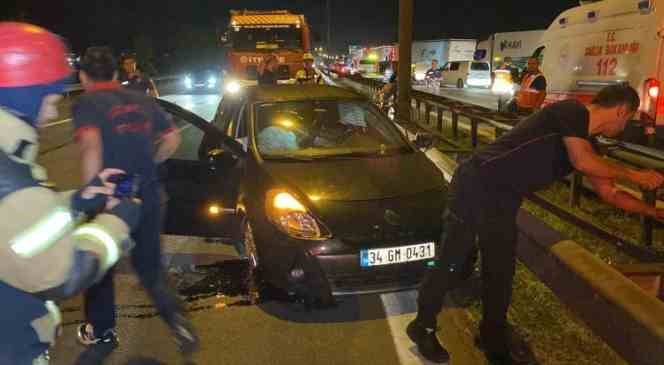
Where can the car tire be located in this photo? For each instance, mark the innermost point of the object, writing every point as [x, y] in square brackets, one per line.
[250, 252]
[459, 84]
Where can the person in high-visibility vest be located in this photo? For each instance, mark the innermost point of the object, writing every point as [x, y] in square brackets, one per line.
[308, 75]
[533, 88]
[52, 245]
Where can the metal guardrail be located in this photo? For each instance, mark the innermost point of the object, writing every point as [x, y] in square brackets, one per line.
[627, 318]
[636, 155]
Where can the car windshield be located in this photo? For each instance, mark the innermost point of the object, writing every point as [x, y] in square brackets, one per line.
[479, 66]
[325, 129]
[250, 39]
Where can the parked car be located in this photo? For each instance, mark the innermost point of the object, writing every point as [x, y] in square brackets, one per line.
[466, 73]
[316, 188]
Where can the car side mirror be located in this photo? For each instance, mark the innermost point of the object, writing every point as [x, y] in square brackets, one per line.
[220, 151]
[218, 158]
[425, 141]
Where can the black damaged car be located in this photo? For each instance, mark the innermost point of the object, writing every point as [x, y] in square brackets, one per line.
[319, 190]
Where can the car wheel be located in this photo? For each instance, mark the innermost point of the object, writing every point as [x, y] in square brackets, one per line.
[459, 84]
[251, 254]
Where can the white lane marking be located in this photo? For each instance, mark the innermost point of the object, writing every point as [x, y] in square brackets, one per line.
[400, 309]
[64, 121]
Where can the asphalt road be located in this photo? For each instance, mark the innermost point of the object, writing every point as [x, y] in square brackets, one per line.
[478, 96]
[365, 329]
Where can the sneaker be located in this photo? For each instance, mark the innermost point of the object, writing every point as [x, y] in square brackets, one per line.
[185, 335]
[427, 343]
[86, 336]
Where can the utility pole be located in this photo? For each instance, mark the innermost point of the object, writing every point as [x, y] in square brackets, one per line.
[405, 57]
[329, 25]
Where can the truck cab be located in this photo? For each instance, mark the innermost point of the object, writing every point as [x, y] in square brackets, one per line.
[252, 35]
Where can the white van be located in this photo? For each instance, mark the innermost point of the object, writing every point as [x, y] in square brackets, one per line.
[604, 43]
[466, 73]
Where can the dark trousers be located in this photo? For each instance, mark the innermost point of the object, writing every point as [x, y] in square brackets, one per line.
[100, 308]
[478, 210]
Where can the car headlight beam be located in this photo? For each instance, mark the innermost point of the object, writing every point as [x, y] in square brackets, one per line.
[188, 82]
[232, 87]
[292, 217]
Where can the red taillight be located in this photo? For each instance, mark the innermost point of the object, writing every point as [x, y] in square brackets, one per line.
[651, 99]
[653, 92]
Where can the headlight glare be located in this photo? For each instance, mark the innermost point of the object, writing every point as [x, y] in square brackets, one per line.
[233, 87]
[293, 218]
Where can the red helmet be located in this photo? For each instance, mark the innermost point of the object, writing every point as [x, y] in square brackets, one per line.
[30, 55]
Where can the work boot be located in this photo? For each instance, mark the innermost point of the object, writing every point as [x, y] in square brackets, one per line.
[185, 336]
[516, 353]
[427, 343]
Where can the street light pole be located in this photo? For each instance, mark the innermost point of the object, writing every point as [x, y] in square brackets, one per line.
[405, 57]
[329, 24]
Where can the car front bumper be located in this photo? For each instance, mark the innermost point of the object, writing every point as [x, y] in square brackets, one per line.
[323, 274]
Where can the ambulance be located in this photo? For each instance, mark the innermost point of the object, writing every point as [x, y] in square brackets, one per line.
[601, 43]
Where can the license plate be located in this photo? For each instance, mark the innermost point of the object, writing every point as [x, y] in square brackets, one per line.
[396, 255]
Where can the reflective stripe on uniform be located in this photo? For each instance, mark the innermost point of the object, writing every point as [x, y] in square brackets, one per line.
[98, 234]
[43, 234]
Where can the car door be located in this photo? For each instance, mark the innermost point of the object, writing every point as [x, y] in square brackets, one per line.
[201, 178]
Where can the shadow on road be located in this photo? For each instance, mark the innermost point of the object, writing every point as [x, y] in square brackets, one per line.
[229, 278]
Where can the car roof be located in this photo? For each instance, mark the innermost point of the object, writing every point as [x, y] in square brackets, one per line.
[281, 93]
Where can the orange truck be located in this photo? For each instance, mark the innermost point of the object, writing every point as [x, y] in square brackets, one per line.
[254, 34]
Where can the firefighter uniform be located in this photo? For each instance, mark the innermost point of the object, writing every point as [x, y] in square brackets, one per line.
[307, 77]
[45, 253]
[47, 250]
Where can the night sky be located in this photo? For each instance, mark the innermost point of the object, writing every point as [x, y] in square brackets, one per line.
[94, 22]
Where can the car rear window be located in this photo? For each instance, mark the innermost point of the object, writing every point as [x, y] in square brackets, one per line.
[479, 66]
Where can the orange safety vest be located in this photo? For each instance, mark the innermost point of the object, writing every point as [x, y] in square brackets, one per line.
[527, 97]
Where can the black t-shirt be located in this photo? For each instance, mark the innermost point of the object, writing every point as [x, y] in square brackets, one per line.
[129, 124]
[532, 155]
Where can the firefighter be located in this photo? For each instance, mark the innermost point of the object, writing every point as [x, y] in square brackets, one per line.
[308, 75]
[55, 245]
[533, 89]
[485, 195]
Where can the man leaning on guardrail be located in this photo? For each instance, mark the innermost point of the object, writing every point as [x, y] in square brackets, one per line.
[485, 195]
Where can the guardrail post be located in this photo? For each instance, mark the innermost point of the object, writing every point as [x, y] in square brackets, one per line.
[473, 131]
[575, 187]
[455, 124]
[647, 223]
[418, 108]
[439, 119]
[427, 109]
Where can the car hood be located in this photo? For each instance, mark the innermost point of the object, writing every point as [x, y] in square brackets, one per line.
[359, 179]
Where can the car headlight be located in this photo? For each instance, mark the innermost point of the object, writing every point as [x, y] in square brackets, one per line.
[419, 76]
[501, 86]
[293, 218]
[188, 82]
[212, 81]
[233, 86]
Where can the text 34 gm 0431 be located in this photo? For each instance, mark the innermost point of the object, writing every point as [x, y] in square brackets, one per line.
[396, 255]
